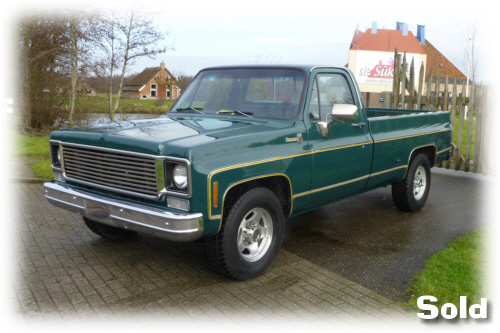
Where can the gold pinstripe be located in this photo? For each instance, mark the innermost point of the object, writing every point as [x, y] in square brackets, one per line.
[235, 166]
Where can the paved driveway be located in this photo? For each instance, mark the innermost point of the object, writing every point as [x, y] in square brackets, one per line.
[367, 240]
[66, 271]
[347, 262]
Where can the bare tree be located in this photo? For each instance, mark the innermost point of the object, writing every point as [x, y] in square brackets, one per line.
[74, 67]
[259, 59]
[183, 80]
[42, 44]
[471, 51]
[81, 29]
[125, 38]
[106, 37]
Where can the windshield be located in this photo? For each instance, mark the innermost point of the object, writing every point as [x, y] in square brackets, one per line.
[251, 92]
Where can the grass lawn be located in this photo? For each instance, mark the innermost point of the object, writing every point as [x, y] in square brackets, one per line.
[35, 151]
[456, 271]
[464, 136]
[100, 104]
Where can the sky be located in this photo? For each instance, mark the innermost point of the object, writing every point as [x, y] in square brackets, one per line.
[221, 32]
[311, 32]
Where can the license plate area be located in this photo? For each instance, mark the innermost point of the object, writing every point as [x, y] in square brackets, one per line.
[96, 211]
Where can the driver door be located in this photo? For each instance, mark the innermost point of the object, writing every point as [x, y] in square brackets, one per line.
[342, 160]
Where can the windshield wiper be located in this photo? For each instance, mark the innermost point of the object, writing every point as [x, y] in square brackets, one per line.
[231, 112]
[190, 109]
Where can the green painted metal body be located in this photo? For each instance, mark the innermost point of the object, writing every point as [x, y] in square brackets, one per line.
[234, 150]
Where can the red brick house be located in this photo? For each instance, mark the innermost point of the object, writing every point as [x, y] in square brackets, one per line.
[152, 83]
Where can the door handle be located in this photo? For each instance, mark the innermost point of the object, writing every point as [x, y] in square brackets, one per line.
[360, 125]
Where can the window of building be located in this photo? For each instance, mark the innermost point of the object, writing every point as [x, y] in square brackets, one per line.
[144, 97]
[154, 89]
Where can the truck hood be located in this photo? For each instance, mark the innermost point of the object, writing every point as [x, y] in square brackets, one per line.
[166, 135]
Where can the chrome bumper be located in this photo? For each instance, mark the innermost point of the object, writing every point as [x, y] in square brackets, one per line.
[122, 214]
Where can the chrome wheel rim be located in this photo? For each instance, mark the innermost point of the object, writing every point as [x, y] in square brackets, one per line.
[419, 183]
[255, 234]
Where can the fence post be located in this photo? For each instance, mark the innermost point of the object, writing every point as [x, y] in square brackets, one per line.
[428, 95]
[386, 97]
[453, 118]
[403, 82]
[479, 127]
[420, 86]
[460, 129]
[445, 108]
[436, 102]
[470, 125]
[412, 85]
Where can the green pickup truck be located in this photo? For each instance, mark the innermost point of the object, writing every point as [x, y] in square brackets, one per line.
[243, 149]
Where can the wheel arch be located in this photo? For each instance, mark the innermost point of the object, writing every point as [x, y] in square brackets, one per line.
[429, 150]
[279, 184]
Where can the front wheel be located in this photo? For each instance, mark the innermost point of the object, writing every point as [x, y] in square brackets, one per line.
[410, 194]
[250, 237]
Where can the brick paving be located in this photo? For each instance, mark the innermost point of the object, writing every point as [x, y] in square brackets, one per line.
[64, 271]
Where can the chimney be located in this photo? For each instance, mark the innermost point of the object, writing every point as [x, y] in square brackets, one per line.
[402, 27]
[421, 34]
[374, 28]
[405, 29]
[162, 65]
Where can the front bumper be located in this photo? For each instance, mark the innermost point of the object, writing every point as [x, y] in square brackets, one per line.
[126, 215]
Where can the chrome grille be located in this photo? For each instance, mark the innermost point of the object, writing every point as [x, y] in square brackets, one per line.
[111, 169]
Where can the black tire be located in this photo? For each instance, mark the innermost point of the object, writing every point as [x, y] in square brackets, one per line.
[107, 231]
[410, 194]
[250, 237]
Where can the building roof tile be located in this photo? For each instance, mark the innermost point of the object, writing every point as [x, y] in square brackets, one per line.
[143, 77]
[386, 40]
[437, 61]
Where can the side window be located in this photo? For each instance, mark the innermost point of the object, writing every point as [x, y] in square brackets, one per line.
[314, 103]
[330, 89]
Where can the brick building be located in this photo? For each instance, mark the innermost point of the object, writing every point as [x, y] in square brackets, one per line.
[152, 83]
[371, 59]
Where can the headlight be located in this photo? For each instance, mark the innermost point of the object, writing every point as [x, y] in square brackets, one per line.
[55, 155]
[180, 176]
[177, 176]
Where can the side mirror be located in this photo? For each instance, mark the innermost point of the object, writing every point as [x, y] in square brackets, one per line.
[345, 113]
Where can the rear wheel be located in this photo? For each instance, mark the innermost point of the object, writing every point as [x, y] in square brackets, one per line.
[250, 237]
[107, 231]
[410, 194]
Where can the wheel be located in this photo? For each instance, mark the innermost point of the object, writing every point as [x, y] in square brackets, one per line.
[410, 194]
[250, 237]
[107, 231]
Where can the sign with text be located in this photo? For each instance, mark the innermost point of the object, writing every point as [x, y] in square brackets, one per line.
[378, 67]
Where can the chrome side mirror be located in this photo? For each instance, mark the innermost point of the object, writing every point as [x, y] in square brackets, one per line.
[324, 127]
[345, 113]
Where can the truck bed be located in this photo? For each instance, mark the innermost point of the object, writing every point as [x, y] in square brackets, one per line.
[396, 133]
[376, 112]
